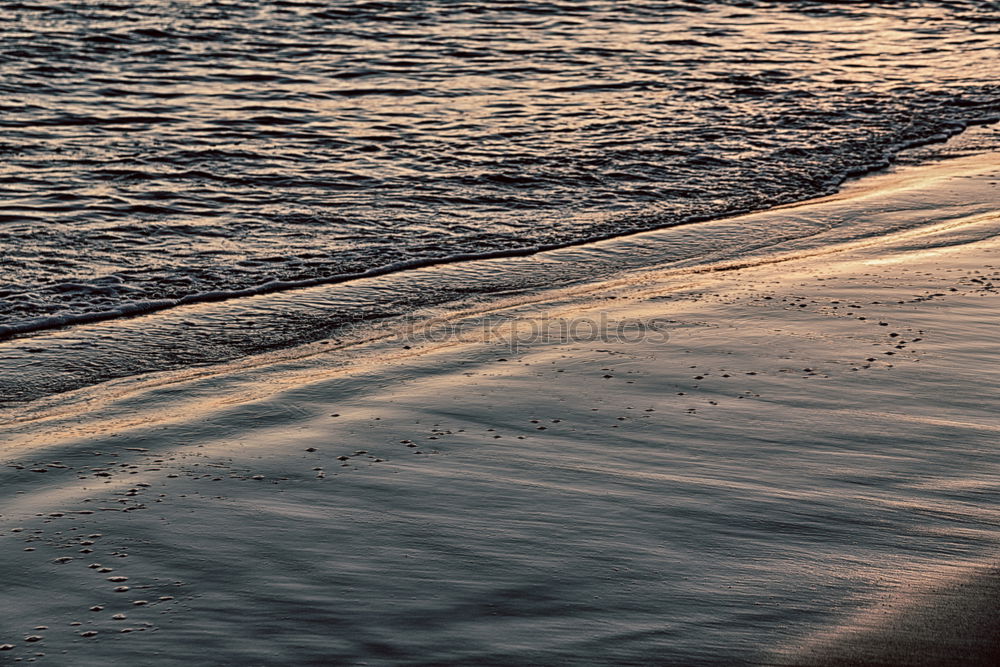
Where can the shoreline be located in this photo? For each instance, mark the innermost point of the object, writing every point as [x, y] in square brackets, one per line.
[810, 440]
[138, 309]
[60, 360]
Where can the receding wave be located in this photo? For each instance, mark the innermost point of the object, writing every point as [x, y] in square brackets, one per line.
[159, 155]
[916, 208]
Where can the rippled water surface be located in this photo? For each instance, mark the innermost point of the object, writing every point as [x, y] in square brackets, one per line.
[158, 150]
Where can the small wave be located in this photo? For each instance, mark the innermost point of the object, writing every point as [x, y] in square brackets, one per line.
[69, 121]
[610, 85]
[131, 309]
[216, 150]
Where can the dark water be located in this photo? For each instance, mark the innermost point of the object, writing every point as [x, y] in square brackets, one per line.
[156, 152]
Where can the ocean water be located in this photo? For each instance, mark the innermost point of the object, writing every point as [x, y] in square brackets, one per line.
[159, 153]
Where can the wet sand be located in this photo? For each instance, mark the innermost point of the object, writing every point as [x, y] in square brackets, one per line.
[797, 464]
[949, 622]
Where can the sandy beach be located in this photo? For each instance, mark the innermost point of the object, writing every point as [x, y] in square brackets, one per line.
[787, 460]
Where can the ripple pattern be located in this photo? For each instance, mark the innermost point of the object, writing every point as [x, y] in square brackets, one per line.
[158, 149]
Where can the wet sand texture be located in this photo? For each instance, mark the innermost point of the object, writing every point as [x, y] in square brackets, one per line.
[800, 472]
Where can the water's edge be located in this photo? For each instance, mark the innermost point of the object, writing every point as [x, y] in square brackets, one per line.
[132, 309]
[224, 329]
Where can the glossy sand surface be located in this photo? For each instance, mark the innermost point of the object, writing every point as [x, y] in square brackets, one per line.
[797, 452]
